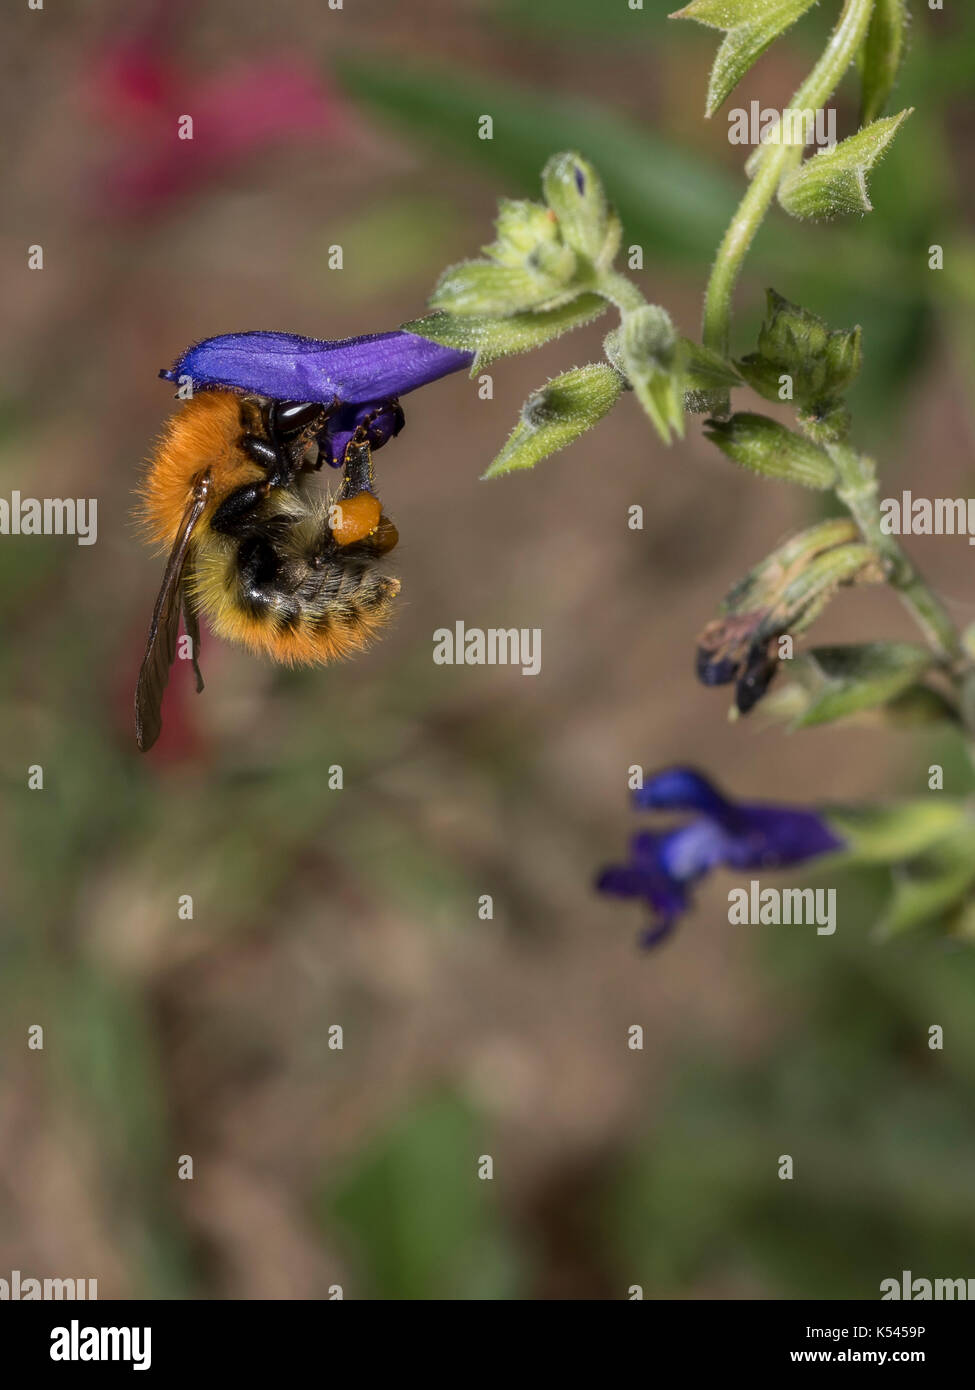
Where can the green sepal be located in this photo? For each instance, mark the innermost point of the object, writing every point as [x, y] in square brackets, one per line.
[750, 26]
[810, 587]
[933, 888]
[846, 680]
[891, 834]
[916, 706]
[763, 583]
[558, 414]
[764, 446]
[833, 183]
[491, 338]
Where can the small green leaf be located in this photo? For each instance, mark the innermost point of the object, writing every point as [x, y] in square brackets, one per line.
[491, 338]
[484, 288]
[834, 182]
[880, 57]
[765, 446]
[750, 26]
[891, 834]
[557, 414]
[846, 680]
[652, 360]
[574, 192]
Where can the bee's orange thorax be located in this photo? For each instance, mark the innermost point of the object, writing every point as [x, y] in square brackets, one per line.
[202, 435]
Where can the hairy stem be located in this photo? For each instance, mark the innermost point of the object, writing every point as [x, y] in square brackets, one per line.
[812, 95]
[857, 490]
[620, 291]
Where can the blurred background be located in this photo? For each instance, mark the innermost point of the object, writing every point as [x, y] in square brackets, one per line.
[209, 1037]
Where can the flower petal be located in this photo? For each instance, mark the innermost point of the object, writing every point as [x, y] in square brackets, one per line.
[688, 853]
[769, 836]
[681, 789]
[376, 367]
[382, 423]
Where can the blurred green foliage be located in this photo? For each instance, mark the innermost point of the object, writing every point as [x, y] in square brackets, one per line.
[417, 1219]
[878, 1126]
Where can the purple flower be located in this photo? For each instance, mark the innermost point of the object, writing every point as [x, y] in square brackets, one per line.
[360, 378]
[748, 835]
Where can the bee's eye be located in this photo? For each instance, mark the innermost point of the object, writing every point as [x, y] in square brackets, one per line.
[291, 417]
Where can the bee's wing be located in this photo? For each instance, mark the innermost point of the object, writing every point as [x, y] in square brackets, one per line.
[191, 622]
[164, 628]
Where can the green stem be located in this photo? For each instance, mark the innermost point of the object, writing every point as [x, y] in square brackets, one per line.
[619, 291]
[812, 95]
[857, 490]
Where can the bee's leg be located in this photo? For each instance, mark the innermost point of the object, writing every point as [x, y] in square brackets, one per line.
[260, 451]
[234, 516]
[358, 475]
[291, 426]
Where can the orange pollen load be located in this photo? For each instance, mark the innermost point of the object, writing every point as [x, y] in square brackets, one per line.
[354, 518]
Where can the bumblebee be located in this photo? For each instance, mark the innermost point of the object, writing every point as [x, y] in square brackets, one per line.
[267, 558]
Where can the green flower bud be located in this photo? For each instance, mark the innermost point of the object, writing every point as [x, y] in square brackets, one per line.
[529, 238]
[522, 227]
[834, 182]
[486, 288]
[801, 359]
[557, 414]
[652, 357]
[574, 192]
[765, 446]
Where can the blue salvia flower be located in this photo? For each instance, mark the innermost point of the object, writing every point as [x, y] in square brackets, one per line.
[741, 835]
[361, 379]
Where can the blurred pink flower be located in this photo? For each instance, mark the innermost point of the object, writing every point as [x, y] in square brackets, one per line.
[182, 739]
[241, 112]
